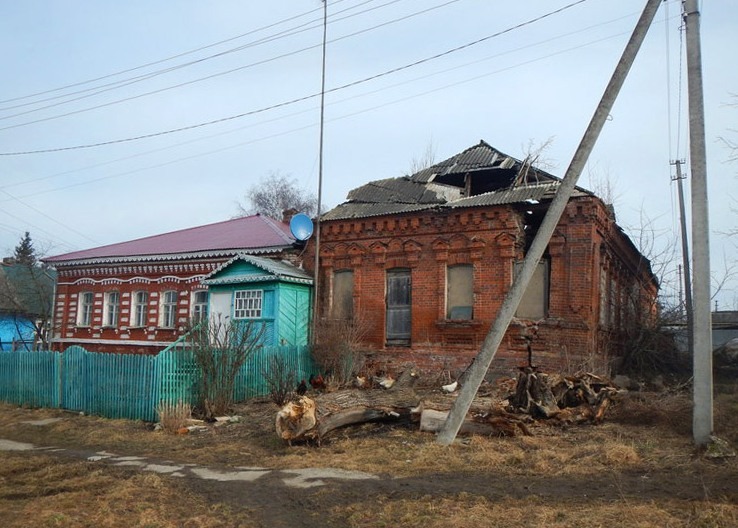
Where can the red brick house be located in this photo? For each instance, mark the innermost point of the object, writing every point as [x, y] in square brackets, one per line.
[137, 296]
[423, 262]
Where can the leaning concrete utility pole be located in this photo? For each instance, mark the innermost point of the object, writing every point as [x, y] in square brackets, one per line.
[702, 327]
[510, 304]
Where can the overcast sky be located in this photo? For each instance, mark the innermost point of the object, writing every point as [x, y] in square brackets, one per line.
[77, 73]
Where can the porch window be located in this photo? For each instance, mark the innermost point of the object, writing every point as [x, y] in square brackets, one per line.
[111, 309]
[399, 313]
[460, 292]
[140, 308]
[342, 306]
[168, 309]
[247, 304]
[534, 304]
[199, 305]
[84, 309]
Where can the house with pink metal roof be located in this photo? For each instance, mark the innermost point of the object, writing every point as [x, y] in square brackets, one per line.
[138, 296]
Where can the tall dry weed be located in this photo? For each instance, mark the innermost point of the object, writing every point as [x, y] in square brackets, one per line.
[173, 416]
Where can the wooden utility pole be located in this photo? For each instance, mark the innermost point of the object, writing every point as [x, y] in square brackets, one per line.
[702, 421]
[510, 304]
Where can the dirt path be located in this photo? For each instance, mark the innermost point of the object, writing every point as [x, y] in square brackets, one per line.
[279, 497]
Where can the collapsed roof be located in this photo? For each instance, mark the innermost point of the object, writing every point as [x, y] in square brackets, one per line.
[478, 176]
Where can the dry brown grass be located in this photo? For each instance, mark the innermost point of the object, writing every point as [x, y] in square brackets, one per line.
[38, 490]
[173, 416]
[646, 436]
[470, 510]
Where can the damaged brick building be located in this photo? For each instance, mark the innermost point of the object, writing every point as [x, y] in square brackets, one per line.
[423, 262]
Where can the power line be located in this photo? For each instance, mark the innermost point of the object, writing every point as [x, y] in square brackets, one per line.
[345, 116]
[303, 98]
[133, 80]
[199, 79]
[160, 61]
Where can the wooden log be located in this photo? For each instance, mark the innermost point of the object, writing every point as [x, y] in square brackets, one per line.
[432, 420]
[312, 419]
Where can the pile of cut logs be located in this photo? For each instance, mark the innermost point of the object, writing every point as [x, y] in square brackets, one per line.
[580, 398]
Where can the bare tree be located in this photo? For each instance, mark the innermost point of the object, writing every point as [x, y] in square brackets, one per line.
[275, 194]
[425, 160]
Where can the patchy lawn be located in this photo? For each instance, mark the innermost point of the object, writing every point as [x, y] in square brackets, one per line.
[639, 468]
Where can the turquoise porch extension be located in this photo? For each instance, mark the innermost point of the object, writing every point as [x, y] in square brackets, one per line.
[260, 290]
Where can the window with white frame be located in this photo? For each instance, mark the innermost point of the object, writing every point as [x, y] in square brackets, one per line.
[84, 309]
[199, 305]
[247, 304]
[168, 312]
[140, 308]
[111, 309]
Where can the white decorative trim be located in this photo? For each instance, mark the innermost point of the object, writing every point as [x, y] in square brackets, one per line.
[166, 257]
[134, 280]
[111, 342]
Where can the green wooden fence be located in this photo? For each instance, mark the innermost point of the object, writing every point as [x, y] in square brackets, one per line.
[128, 385]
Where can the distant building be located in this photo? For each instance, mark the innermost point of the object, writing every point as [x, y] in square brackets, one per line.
[26, 296]
[139, 296]
[423, 262]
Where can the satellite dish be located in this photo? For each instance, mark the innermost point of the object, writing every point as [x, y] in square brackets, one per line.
[301, 227]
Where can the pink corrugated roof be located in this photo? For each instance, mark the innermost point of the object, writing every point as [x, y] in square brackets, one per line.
[247, 233]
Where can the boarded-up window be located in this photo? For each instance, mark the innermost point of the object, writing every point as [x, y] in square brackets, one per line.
[399, 316]
[460, 292]
[604, 299]
[342, 306]
[534, 304]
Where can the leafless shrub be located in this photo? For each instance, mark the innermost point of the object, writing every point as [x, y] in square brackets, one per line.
[281, 381]
[338, 348]
[173, 416]
[221, 347]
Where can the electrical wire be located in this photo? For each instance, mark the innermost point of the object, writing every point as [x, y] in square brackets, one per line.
[303, 98]
[338, 118]
[144, 77]
[160, 61]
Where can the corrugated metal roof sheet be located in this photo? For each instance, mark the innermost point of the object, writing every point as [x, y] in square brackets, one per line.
[239, 234]
[478, 156]
[361, 210]
[442, 184]
[508, 196]
[394, 190]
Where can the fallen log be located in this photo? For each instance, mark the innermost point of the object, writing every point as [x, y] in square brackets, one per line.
[485, 424]
[312, 418]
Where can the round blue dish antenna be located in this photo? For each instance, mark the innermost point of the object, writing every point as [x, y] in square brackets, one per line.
[301, 227]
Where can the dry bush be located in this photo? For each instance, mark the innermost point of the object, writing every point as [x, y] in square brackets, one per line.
[338, 348]
[280, 379]
[220, 347]
[173, 416]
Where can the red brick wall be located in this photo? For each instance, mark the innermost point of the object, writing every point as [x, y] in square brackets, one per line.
[152, 277]
[491, 239]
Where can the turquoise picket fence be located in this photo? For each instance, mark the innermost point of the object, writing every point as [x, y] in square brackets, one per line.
[129, 385]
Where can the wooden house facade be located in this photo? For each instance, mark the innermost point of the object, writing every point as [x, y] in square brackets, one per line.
[263, 292]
